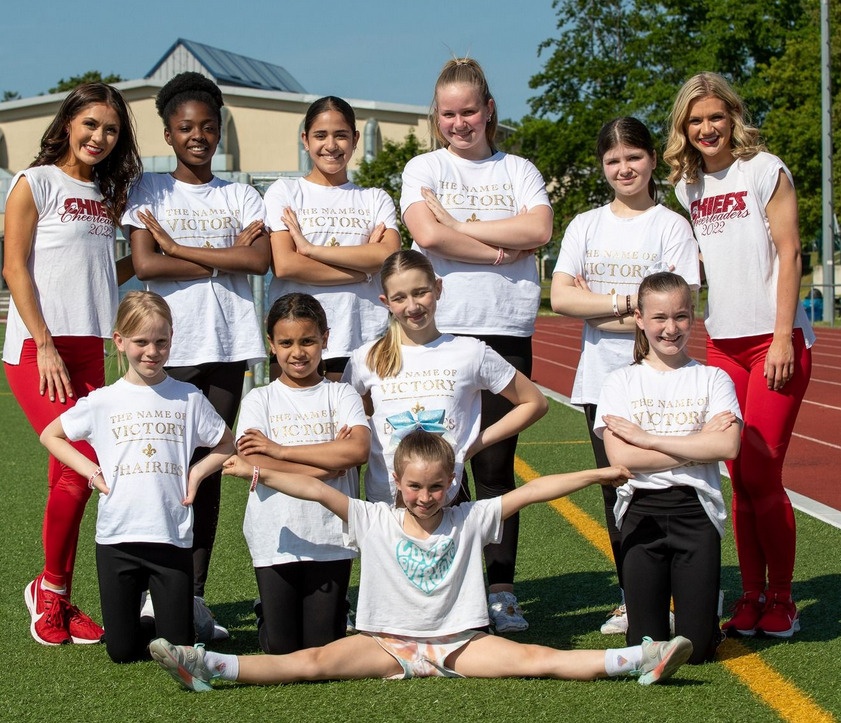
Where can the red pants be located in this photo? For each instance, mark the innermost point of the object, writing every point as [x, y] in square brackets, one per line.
[68, 492]
[763, 520]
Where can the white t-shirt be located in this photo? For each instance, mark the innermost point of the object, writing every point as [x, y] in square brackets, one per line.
[71, 263]
[676, 402]
[335, 216]
[481, 299]
[279, 528]
[422, 588]
[446, 375]
[613, 254]
[740, 260]
[214, 319]
[144, 438]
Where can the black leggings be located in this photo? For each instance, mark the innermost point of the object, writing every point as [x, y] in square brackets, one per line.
[221, 383]
[672, 549]
[493, 467]
[304, 604]
[608, 492]
[127, 569]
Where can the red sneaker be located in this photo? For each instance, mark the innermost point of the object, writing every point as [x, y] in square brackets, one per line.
[746, 613]
[48, 611]
[83, 630]
[779, 618]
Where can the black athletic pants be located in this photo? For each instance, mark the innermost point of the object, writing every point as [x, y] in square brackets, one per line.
[493, 468]
[304, 604]
[125, 570]
[608, 492]
[221, 383]
[671, 549]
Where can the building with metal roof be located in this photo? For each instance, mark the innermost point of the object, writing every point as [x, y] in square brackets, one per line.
[225, 67]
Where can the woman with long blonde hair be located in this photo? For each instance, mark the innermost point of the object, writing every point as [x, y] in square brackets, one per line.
[743, 208]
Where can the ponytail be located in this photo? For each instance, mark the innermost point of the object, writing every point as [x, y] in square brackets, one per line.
[385, 358]
[641, 347]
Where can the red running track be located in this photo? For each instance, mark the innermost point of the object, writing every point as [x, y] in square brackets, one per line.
[813, 461]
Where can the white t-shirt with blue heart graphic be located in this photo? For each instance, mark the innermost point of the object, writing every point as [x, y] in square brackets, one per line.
[422, 588]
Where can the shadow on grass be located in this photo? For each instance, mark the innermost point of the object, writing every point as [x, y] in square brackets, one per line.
[559, 609]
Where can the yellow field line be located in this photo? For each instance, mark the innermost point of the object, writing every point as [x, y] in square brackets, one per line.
[761, 679]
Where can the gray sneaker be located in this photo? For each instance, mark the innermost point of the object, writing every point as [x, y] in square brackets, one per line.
[184, 663]
[207, 629]
[661, 659]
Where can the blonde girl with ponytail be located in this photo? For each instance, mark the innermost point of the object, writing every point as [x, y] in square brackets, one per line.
[416, 377]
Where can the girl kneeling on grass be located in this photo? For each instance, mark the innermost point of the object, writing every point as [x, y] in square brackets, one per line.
[306, 424]
[144, 429]
[421, 590]
[670, 420]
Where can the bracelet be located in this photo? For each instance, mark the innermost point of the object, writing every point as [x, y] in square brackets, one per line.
[615, 301]
[499, 256]
[628, 304]
[94, 475]
[255, 477]
[215, 273]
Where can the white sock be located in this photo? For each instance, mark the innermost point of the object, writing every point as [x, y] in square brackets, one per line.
[222, 666]
[621, 661]
[62, 591]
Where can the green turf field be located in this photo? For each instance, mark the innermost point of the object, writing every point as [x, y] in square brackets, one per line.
[564, 583]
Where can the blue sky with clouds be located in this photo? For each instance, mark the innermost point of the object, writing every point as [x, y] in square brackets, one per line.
[386, 50]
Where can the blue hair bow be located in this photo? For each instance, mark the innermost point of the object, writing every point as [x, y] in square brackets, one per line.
[407, 422]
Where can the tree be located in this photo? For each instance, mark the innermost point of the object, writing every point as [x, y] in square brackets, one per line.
[10, 95]
[629, 57]
[791, 86]
[385, 170]
[92, 76]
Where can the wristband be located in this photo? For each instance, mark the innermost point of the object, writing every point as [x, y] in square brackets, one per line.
[255, 477]
[614, 299]
[628, 304]
[215, 273]
[499, 256]
[94, 475]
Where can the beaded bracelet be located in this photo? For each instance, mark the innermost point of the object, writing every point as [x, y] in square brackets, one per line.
[628, 304]
[255, 477]
[94, 475]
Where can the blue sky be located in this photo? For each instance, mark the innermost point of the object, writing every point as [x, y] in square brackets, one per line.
[385, 50]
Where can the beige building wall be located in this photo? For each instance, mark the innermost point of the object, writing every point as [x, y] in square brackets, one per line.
[264, 126]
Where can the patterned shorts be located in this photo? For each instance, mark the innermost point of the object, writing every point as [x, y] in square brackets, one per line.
[423, 657]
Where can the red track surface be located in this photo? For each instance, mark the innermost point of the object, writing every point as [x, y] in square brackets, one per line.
[813, 463]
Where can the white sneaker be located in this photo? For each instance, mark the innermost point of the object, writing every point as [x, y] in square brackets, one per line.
[207, 629]
[147, 610]
[617, 622]
[505, 613]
